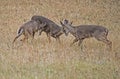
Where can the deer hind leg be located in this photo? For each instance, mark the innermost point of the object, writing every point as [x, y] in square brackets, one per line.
[16, 38]
[32, 35]
[75, 40]
[108, 42]
[105, 40]
[25, 37]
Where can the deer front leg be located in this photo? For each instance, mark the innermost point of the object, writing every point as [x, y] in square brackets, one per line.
[58, 39]
[48, 35]
[75, 40]
[80, 42]
[40, 32]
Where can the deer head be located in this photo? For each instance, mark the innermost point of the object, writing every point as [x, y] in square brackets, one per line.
[64, 28]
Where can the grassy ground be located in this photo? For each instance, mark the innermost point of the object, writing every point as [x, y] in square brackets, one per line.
[41, 60]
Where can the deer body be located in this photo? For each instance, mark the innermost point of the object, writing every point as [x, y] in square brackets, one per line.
[86, 31]
[29, 29]
[82, 32]
[51, 28]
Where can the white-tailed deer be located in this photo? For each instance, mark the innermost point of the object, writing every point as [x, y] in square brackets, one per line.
[86, 31]
[51, 28]
[29, 28]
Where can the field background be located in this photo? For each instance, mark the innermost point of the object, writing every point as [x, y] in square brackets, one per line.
[43, 60]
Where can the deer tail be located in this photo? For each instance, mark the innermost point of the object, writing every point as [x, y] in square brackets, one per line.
[20, 31]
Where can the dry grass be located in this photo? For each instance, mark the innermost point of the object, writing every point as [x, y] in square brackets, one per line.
[41, 60]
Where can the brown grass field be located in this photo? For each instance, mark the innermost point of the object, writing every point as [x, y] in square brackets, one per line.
[43, 60]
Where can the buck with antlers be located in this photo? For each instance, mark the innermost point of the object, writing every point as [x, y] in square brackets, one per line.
[51, 28]
[82, 32]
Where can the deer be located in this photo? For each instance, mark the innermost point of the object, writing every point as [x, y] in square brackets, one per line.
[82, 32]
[28, 29]
[51, 29]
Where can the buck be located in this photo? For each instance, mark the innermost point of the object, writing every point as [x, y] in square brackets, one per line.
[82, 32]
[51, 28]
[29, 28]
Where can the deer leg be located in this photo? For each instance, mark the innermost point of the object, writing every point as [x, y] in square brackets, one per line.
[58, 39]
[105, 40]
[32, 35]
[109, 43]
[75, 40]
[48, 37]
[16, 37]
[80, 42]
[40, 32]
[25, 37]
